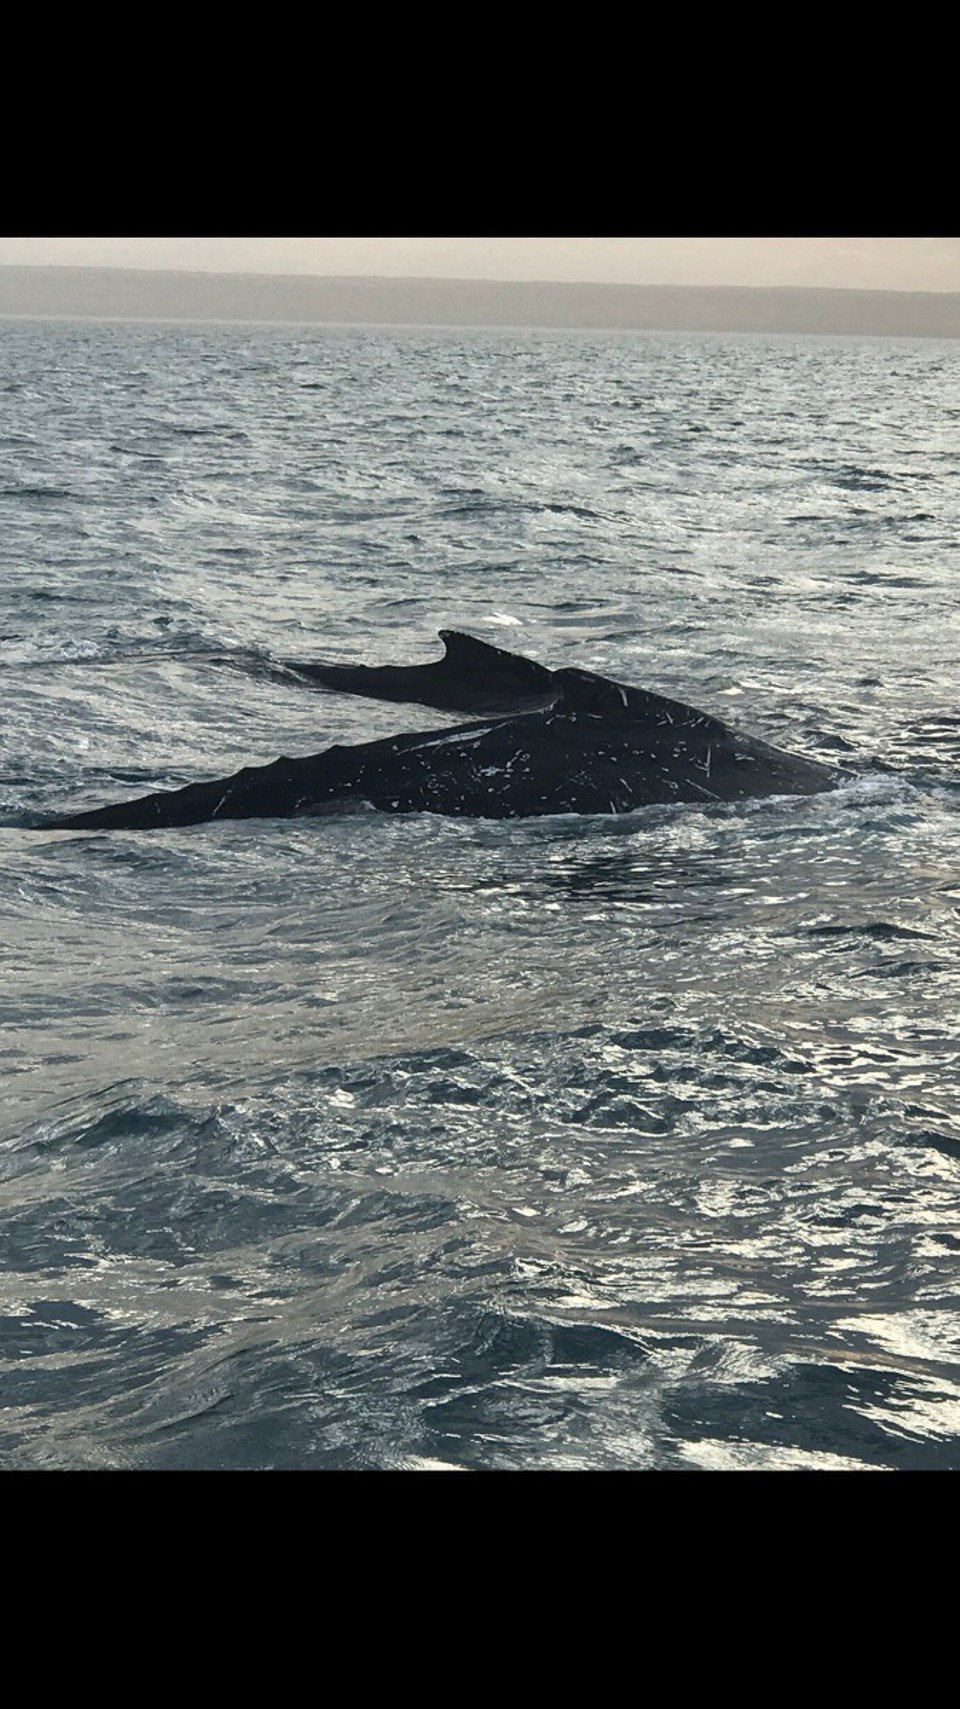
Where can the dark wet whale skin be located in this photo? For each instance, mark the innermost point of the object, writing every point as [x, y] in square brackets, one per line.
[590, 745]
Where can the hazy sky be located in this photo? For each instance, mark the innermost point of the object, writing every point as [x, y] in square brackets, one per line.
[869, 263]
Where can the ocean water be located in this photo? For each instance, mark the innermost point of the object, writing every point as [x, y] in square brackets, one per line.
[411, 1142]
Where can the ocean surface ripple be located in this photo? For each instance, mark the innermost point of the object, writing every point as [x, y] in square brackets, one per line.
[405, 1142]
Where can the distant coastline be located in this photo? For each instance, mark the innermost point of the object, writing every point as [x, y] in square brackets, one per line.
[99, 293]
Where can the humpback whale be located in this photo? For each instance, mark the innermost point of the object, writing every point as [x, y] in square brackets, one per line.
[549, 741]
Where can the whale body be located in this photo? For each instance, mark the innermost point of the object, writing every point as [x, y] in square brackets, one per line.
[564, 741]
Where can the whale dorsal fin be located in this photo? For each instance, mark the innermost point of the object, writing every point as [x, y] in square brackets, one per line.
[461, 648]
[471, 677]
[493, 675]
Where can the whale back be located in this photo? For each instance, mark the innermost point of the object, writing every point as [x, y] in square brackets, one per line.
[584, 693]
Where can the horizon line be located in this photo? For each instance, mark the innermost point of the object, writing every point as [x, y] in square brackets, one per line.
[447, 279]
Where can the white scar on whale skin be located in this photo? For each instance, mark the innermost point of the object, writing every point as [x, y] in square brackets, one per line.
[474, 737]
